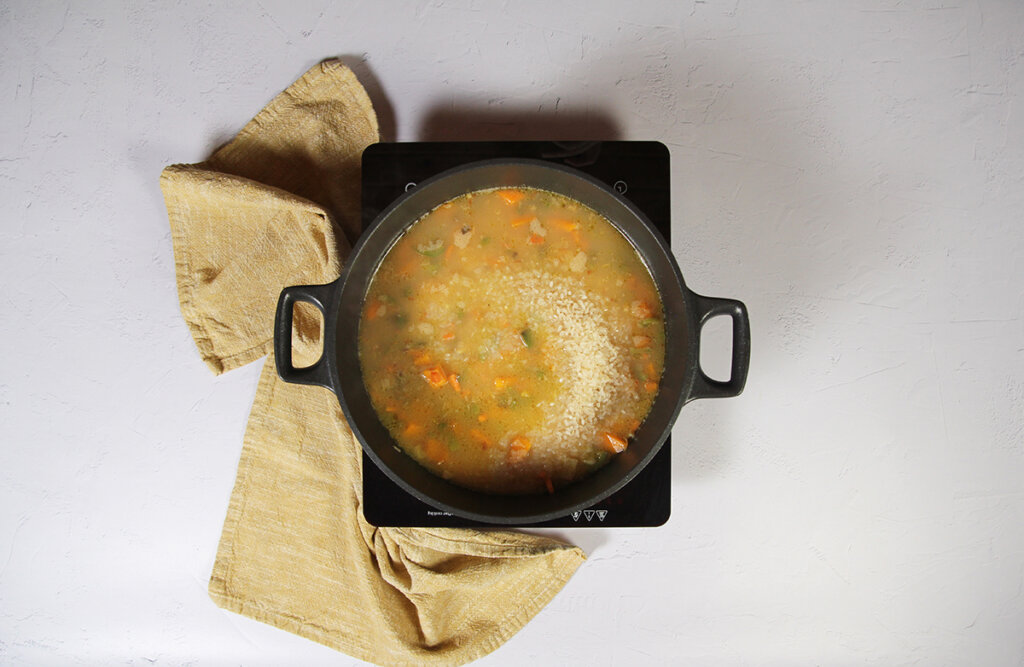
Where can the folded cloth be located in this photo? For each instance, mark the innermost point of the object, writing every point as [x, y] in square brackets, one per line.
[278, 206]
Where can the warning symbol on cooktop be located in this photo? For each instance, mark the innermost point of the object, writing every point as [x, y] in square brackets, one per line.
[590, 514]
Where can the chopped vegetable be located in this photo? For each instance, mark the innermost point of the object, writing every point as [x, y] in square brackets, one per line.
[412, 429]
[502, 381]
[448, 335]
[376, 309]
[462, 236]
[527, 337]
[641, 310]
[453, 379]
[435, 376]
[432, 249]
[547, 483]
[419, 357]
[651, 386]
[518, 448]
[523, 220]
[511, 196]
[614, 443]
[641, 341]
[537, 228]
[481, 418]
[535, 239]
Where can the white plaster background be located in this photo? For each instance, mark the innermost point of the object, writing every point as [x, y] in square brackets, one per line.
[853, 171]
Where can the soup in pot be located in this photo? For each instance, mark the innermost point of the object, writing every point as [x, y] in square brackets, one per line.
[512, 341]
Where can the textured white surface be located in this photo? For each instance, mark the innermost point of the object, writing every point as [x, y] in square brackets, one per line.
[854, 172]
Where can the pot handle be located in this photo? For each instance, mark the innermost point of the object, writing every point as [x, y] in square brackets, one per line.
[319, 296]
[703, 386]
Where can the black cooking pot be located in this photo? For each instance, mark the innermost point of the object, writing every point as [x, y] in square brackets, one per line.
[341, 304]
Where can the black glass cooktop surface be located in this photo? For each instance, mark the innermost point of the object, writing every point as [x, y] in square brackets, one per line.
[639, 171]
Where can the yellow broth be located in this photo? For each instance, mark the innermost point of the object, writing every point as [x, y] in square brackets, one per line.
[512, 341]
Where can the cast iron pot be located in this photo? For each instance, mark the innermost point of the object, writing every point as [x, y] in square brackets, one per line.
[339, 369]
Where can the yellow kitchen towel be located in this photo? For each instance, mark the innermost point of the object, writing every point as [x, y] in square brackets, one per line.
[278, 206]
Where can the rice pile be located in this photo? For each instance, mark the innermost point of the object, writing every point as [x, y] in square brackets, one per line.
[585, 361]
[588, 366]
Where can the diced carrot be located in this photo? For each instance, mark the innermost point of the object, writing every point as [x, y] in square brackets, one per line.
[651, 386]
[373, 309]
[614, 443]
[522, 220]
[481, 418]
[502, 381]
[453, 379]
[435, 450]
[535, 239]
[565, 225]
[391, 407]
[641, 310]
[412, 429]
[518, 448]
[435, 376]
[511, 196]
[641, 341]
[448, 335]
[650, 368]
